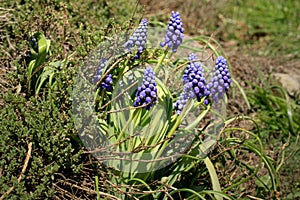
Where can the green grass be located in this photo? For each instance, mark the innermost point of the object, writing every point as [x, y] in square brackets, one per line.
[278, 117]
[274, 24]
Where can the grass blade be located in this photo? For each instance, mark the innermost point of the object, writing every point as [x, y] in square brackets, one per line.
[214, 177]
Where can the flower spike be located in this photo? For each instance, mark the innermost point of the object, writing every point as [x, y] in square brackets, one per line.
[220, 82]
[194, 78]
[174, 34]
[107, 83]
[146, 94]
[138, 39]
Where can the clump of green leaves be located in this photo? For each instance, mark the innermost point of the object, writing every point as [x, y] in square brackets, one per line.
[143, 141]
[276, 110]
[37, 73]
[278, 118]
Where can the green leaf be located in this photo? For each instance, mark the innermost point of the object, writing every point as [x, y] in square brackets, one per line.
[30, 69]
[47, 73]
[198, 119]
[213, 177]
[44, 46]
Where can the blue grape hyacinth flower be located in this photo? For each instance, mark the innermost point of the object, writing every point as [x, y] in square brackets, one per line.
[192, 63]
[194, 78]
[174, 34]
[220, 82]
[146, 94]
[194, 84]
[107, 83]
[138, 39]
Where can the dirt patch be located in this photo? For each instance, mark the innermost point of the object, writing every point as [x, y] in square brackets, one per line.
[199, 17]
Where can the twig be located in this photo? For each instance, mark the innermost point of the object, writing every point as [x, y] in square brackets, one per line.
[9, 43]
[65, 193]
[90, 190]
[22, 172]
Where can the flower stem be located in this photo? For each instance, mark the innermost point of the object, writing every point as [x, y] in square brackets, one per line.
[160, 60]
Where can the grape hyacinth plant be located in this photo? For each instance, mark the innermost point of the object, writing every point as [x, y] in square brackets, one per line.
[107, 83]
[140, 119]
[220, 82]
[174, 35]
[138, 39]
[146, 94]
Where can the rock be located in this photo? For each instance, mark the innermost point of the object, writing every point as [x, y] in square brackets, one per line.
[290, 83]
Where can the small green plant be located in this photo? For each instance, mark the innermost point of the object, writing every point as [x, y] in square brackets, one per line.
[42, 73]
[39, 51]
[140, 109]
[277, 110]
